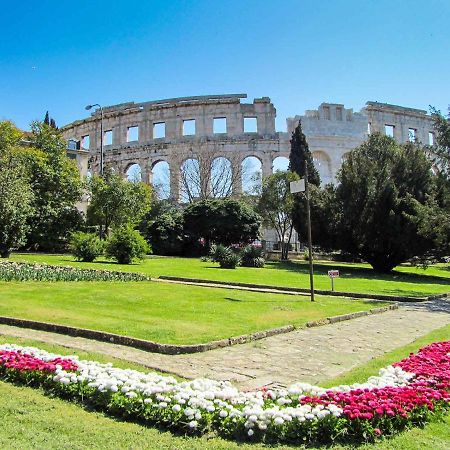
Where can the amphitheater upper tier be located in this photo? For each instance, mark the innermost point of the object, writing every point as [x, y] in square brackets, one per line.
[173, 130]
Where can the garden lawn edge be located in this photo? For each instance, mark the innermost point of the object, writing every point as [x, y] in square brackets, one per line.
[171, 349]
[285, 289]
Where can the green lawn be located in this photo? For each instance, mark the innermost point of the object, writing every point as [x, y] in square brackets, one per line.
[33, 421]
[164, 312]
[405, 280]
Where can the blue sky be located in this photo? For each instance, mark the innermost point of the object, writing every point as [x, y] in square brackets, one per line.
[61, 55]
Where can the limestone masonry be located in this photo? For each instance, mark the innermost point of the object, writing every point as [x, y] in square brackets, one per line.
[168, 130]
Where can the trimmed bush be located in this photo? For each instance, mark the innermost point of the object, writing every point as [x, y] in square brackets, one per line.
[85, 246]
[126, 245]
[252, 257]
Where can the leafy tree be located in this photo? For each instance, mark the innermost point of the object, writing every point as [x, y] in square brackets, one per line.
[442, 148]
[221, 221]
[276, 207]
[163, 228]
[116, 202]
[324, 216]
[16, 203]
[57, 186]
[10, 136]
[383, 189]
[300, 155]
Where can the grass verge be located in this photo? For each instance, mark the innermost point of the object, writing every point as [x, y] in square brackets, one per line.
[163, 312]
[404, 281]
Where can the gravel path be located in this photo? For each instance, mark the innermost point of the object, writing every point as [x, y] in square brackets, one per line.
[310, 355]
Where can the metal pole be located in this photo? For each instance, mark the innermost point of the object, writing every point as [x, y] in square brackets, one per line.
[311, 269]
[101, 141]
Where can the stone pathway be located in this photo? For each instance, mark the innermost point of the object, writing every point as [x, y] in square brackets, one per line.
[310, 355]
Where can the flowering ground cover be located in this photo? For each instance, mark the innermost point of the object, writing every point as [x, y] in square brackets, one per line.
[162, 312]
[405, 280]
[410, 392]
[22, 271]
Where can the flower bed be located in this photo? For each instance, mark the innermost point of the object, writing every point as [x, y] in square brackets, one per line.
[410, 392]
[21, 271]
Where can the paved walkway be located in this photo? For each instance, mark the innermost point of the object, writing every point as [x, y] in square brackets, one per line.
[310, 355]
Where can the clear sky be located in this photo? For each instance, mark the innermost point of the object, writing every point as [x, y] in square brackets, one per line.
[61, 55]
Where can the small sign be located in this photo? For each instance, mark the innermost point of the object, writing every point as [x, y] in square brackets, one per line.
[333, 273]
[297, 186]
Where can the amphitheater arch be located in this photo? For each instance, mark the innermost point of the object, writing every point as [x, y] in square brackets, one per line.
[323, 164]
[133, 173]
[280, 164]
[160, 178]
[251, 169]
[221, 177]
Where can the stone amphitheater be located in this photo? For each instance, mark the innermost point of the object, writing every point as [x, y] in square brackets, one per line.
[165, 132]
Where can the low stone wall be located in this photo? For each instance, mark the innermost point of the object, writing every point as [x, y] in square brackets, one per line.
[170, 349]
[393, 298]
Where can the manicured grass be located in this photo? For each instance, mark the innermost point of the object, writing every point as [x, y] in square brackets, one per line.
[32, 420]
[405, 280]
[164, 312]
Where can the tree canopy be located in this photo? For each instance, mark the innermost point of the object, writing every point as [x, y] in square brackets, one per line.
[115, 202]
[221, 221]
[276, 206]
[383, 189]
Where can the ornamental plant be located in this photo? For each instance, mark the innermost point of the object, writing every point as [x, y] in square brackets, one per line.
[85, 246]
[409, 393]
[21, 271]
[126, 245]
[252, 256]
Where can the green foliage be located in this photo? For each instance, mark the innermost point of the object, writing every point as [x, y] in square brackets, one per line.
[221, 221]
[16, 203]
[300, 155]
[10, 135]
[276, 206]
[252, 257]
[218, 252]
[383, 188]
[163, 228]
[324, 216]
[85, 246]
[229, 260]
[126, 245]
[57, 186]
[20, 271]
[116, 202]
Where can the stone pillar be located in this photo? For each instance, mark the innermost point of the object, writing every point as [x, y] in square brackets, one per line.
[267, 165]
[174, 171]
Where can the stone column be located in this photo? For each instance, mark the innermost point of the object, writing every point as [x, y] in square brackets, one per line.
[174, 171]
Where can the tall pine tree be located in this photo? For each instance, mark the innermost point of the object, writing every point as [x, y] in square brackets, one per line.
[299, 154]
[47, 119]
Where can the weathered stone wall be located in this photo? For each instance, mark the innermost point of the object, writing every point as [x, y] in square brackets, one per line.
[332, 131]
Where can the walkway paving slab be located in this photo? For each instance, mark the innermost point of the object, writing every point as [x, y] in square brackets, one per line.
[310, 355]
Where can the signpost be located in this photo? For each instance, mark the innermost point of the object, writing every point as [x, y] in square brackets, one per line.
[333, 274]
[302, 186]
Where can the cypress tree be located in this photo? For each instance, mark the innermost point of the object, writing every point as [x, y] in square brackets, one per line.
[299, 154]
[47, 119]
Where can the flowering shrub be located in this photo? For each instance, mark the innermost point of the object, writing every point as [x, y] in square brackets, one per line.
[21, 271]
[411, 392]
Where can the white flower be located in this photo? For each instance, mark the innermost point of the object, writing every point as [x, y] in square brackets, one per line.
[193, 424]
[176, 408]
[250, 432]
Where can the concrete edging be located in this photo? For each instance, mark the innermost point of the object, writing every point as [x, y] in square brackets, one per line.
[393, 298]
[169, 349]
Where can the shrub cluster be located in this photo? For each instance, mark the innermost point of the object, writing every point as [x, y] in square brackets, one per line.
[229, 258]
[124, 245]
[21, 271]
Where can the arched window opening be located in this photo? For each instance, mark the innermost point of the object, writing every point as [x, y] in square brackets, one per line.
[161, 179]
[251, 175]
